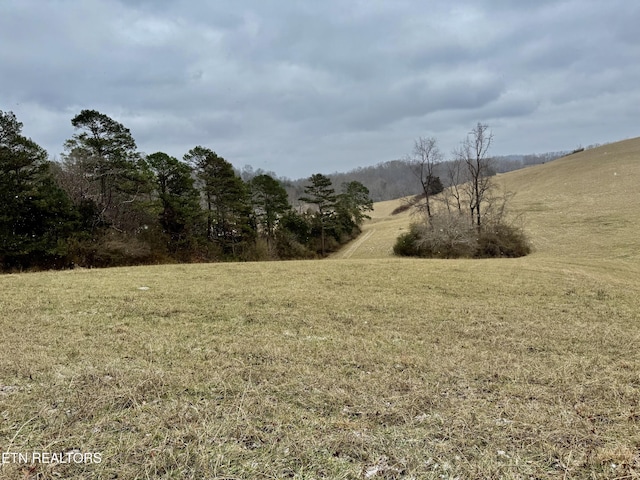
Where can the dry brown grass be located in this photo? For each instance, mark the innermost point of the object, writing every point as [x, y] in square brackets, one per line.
[345, 368]
[379, 234]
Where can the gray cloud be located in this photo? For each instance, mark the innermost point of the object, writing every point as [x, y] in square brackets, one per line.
[303, 87]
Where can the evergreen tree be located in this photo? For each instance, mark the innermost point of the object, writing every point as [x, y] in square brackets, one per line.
[321, 194]
[435, 185]
[36, 216]
[269, 200]
[352, 204]
[293, 236]
[178, 198]
[104, 153]
[226, 197]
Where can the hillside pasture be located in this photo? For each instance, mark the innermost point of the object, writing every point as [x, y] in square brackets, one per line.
[367, 366]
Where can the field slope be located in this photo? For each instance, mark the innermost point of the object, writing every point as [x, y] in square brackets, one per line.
[359, 366]
[582, 207]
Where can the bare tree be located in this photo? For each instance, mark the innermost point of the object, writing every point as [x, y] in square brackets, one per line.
[448, 233]
[474, 154]
[426, 156]
[455, 177]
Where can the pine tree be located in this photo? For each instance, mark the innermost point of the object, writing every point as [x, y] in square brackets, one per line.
[36, 216]
[269, 200]
[321, 194]
[353, 202]
[104, 153]
[226, 198]
[178, 198]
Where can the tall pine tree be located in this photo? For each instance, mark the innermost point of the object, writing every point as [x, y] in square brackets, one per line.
[36, 216]
[104, 152]
[178, 199]
[226, 198]
[321, 194]
[270, 201]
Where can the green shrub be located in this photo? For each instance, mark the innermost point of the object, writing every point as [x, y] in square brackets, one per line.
[407, 244]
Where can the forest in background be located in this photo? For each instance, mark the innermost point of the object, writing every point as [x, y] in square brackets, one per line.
[394, 179]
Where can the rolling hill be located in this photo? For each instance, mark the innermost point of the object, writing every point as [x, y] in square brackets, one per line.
[583, 208]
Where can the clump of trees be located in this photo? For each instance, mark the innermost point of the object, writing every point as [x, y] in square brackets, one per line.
[36, 215]
[469, 219]
[106, 204]
[335, 218]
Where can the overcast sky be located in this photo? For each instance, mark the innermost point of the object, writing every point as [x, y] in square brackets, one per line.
[301, 86]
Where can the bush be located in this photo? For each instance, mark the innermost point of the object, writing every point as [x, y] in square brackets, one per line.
[502, 241]
[448, 236]
[453, 236]
[288, 247]
[258, 252]
[407, 244]
[113, 250]
[401, 208]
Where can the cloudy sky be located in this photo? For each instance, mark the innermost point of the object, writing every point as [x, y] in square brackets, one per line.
[300, 86]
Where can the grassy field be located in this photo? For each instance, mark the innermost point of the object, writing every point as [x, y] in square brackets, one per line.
[363, 366]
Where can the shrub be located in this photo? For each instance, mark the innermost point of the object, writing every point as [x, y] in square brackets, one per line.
[502, 241]
[259, 251]
[453, 236]
[448, 236]
[113, 250]
[407, 244]
[401, 208]
[287, 246]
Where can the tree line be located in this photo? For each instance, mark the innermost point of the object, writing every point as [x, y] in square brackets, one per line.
[391, 180]
[107, 204]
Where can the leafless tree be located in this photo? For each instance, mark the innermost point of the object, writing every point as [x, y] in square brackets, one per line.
[474, 154]
[426, 156]
[455, 177]
[447, 232]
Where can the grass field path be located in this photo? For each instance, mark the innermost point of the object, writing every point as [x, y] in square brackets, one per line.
[353, 246]
[378, 235]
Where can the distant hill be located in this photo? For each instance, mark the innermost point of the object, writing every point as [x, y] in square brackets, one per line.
[585, 204]
[394, 179]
